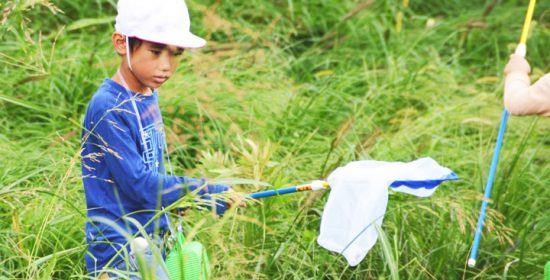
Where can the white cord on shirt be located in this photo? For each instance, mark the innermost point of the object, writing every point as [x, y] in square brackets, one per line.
[142, 134]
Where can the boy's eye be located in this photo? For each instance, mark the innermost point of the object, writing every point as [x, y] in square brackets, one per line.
[178, 54]
[155, 52]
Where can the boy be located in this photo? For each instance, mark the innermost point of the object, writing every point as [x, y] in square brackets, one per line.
[521, 98]
[124, 141]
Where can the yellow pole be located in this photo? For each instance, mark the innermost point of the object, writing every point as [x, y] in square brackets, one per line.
[527, 23]
[522, 47]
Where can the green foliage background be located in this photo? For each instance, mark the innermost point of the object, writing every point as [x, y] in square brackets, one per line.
[285, 92]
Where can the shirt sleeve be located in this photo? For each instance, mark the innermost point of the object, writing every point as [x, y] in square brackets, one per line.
[114, 137]
[521, 98]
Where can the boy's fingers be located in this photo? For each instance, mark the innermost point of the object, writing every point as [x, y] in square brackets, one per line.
[517, 63]
[235, 199]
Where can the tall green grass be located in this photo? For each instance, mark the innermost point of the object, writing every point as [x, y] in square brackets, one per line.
[285, 92]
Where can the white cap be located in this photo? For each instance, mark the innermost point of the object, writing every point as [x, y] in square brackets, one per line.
[159, 21]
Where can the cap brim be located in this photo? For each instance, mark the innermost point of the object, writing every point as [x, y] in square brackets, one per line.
[186, 40]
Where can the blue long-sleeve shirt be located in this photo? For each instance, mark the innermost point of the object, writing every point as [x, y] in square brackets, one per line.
[123, 170]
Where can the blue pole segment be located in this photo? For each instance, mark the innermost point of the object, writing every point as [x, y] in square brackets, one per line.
[273, 192]
[488, 188]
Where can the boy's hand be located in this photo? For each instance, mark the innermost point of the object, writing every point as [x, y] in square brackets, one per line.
[517, 64]
[234, 198]
[227, 197]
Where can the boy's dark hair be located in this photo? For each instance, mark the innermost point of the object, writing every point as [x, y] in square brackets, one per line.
[134, 43]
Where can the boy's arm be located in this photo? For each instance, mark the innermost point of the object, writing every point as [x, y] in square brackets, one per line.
[520, 98]
[129, 172]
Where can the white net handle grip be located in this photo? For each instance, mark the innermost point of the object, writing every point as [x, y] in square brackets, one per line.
[318, 185]
[521, 50]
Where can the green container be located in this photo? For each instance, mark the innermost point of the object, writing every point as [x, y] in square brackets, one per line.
[547, 271]
[187, 261]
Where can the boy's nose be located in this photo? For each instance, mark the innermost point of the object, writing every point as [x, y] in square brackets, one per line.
[165, 64]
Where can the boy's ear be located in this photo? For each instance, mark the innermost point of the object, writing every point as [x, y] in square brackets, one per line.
[119, 43]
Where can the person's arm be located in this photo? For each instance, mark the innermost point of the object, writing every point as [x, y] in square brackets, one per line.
[130, 174]
[522, 98]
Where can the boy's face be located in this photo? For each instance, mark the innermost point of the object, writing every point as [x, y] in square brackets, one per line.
[153, 64]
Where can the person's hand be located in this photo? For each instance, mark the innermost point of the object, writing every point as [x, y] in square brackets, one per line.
[234, 198]
[517, 64]
[225, 197]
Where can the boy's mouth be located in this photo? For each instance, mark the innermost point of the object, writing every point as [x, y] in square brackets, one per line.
[160, 79]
